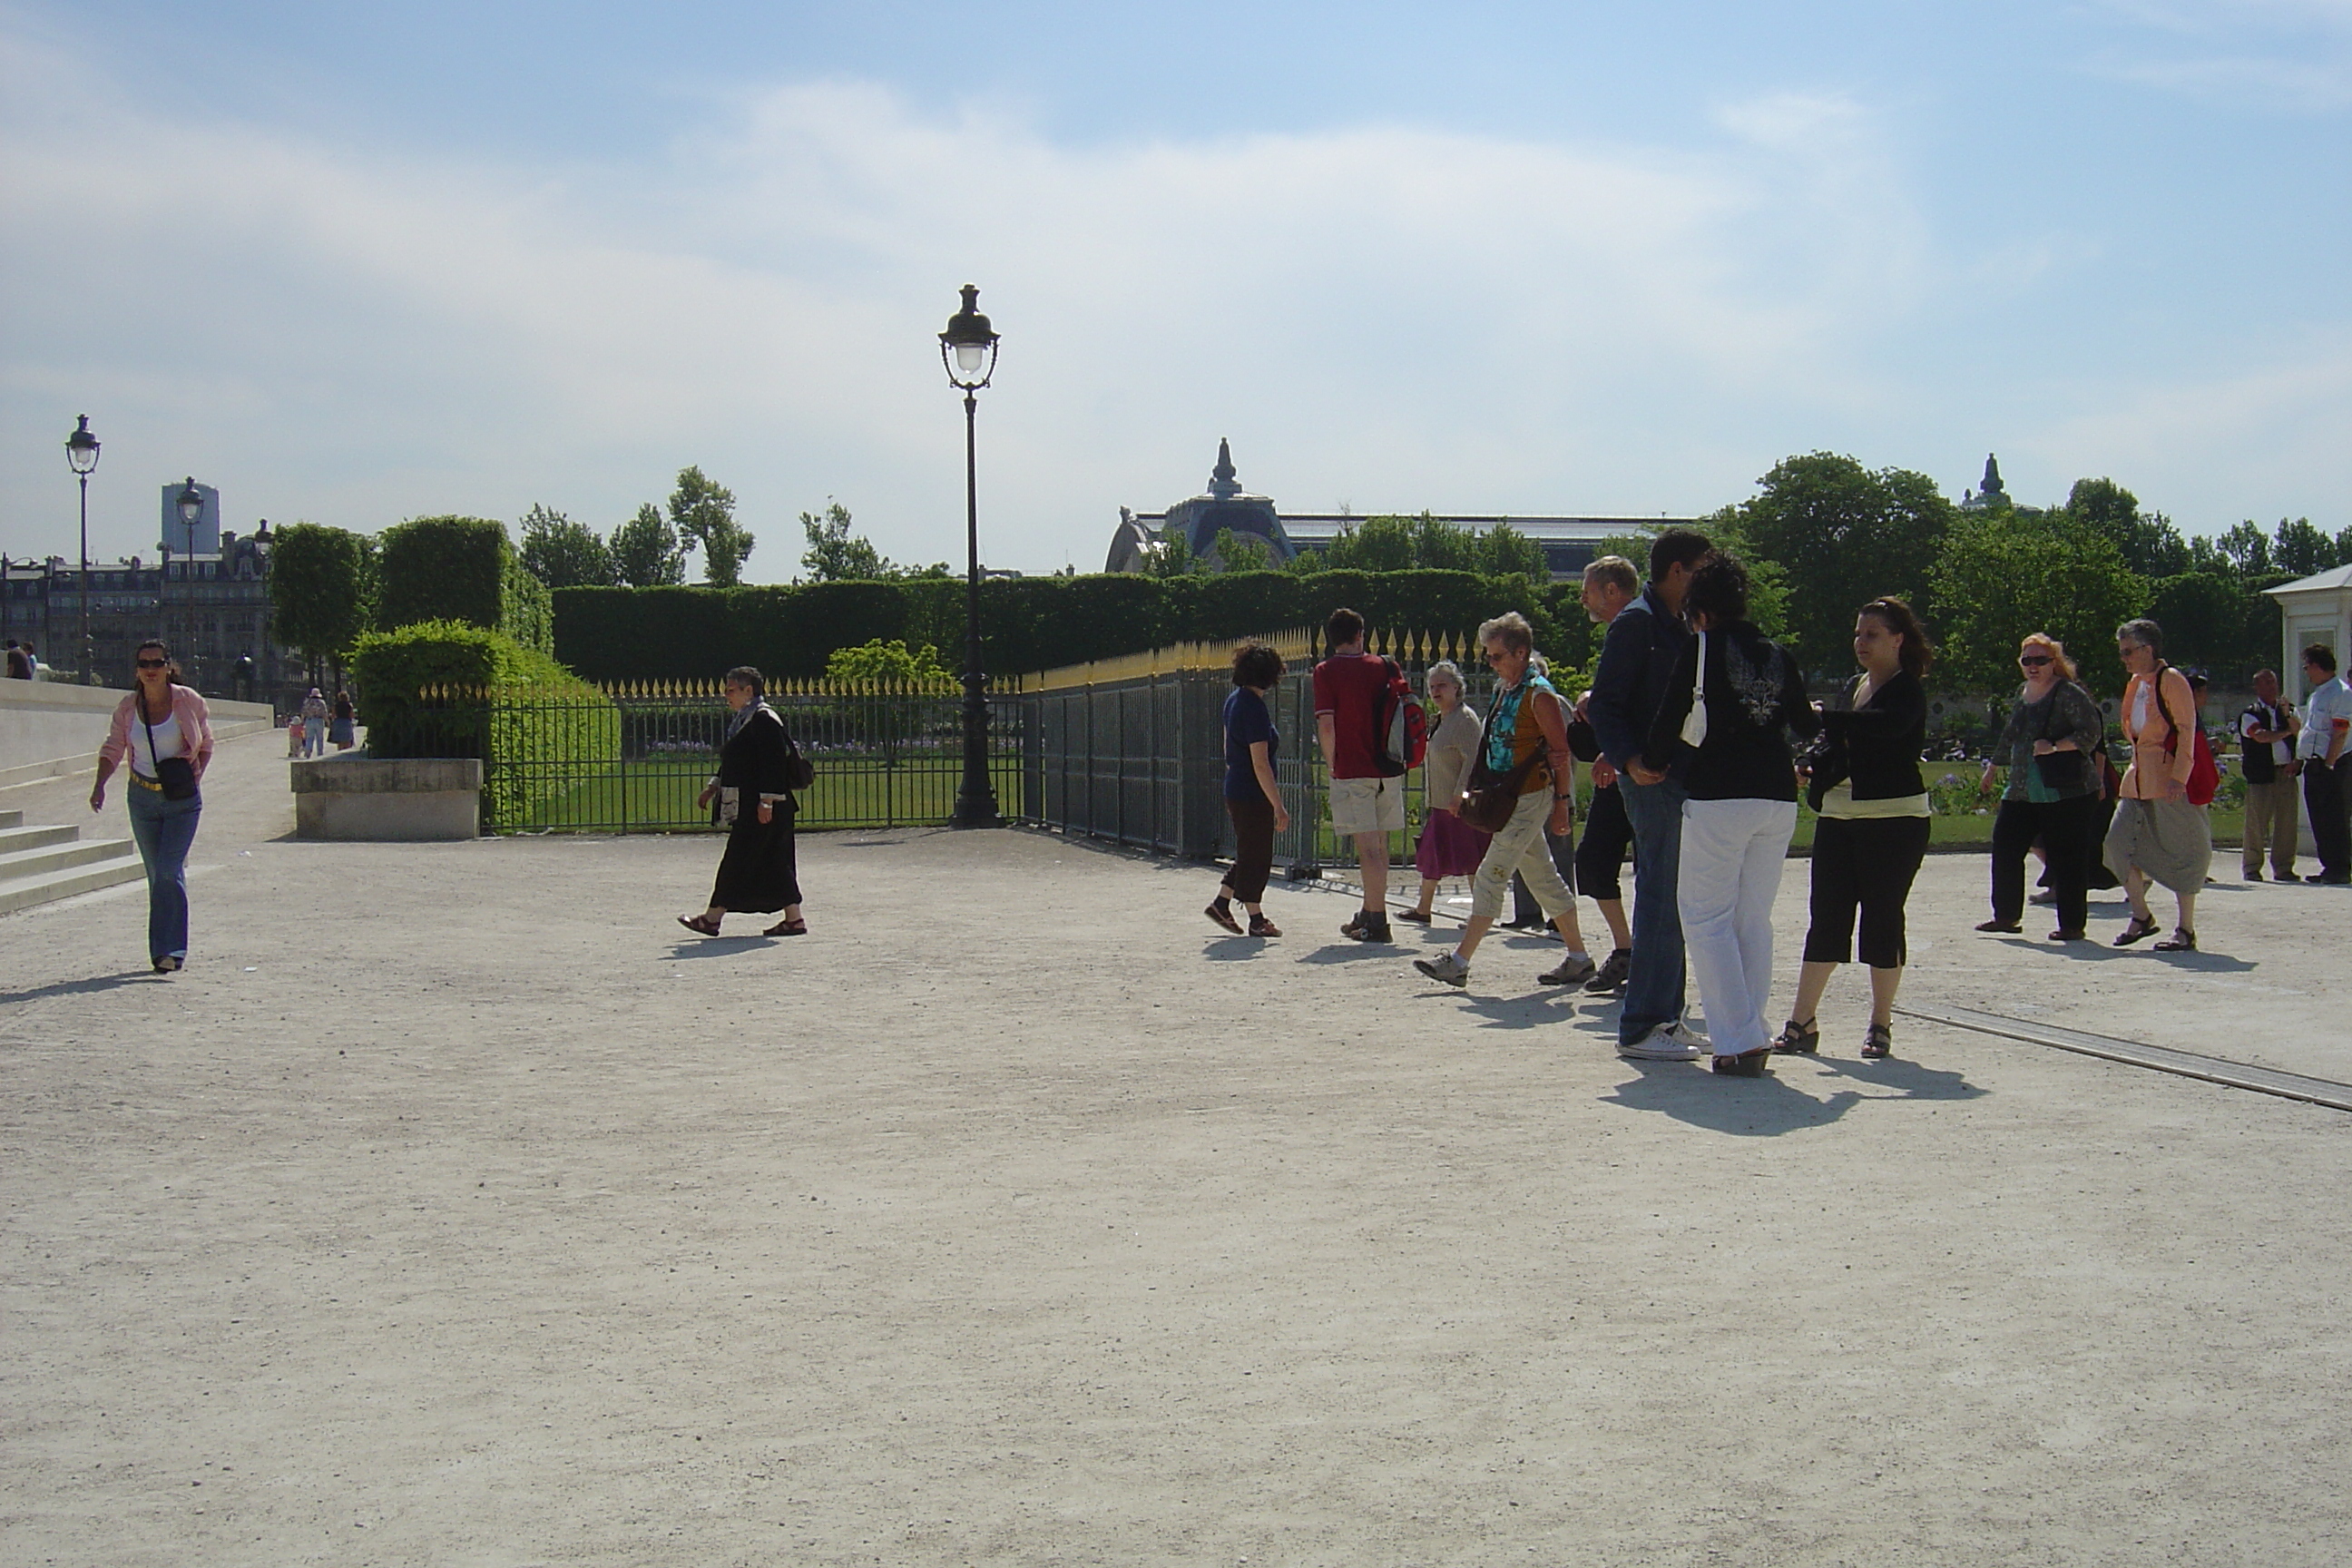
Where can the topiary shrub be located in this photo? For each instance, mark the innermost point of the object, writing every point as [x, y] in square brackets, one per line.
[462, 569]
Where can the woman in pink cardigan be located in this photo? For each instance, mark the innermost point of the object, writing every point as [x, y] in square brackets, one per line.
[165, 730]
[2157, 834]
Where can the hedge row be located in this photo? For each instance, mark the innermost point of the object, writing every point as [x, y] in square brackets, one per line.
[462, 569]
[1026, 624]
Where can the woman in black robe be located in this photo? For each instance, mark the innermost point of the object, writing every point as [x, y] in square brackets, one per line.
[750, 796]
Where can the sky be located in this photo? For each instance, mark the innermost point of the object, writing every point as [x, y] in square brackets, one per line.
[354, 263]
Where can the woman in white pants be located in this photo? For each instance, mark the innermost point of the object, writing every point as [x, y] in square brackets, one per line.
[1734, 696]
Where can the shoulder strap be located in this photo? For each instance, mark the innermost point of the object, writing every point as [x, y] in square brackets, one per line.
[2171, 725]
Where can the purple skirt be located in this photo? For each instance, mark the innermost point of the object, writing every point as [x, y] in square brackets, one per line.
[1449, 847]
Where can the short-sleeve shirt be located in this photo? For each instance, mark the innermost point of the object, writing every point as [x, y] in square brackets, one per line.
[1348, 688]
[2327, 703]
[1246, 722]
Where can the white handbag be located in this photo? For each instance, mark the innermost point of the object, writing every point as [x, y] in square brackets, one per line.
[1695, 721]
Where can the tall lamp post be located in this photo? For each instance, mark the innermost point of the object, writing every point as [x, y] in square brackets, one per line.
[968, 350]
[81, 451]
[192, 510]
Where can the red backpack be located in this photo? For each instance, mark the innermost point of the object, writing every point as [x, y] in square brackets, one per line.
[1400, 725]
[2204, 773]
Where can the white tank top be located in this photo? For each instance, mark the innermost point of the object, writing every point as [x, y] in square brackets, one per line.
[167, 741]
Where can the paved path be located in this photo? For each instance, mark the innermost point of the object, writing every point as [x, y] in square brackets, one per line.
[456, 1207]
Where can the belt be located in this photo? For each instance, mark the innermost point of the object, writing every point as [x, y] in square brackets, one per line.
[143, 782]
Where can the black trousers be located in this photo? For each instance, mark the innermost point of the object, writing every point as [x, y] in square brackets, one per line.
[2323, 796]
[1866, 866]
[2068, 830]
[1601, 852]
[1253, 847]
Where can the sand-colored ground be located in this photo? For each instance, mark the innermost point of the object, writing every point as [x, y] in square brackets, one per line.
[457, 1207]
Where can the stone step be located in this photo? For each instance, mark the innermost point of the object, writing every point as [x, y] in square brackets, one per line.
[28, 773]
[61, 855]
[11, 819]
[14, 839]
[24, 892]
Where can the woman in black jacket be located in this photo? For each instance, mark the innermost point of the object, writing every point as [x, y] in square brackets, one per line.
[753, 799]
[1871, 832]
[1742, 807]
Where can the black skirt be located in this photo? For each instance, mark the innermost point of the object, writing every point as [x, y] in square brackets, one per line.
[757, 875]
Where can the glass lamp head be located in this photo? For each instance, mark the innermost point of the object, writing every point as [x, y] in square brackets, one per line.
[192, 503]
[81, 447]
[968, 347]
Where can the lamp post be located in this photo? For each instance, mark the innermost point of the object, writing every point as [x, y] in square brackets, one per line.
[192, 510]
[81, 451]
[968, 350]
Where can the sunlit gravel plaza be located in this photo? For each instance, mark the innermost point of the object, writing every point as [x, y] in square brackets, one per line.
[455, 1206]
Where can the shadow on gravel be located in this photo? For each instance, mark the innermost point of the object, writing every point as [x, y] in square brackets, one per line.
[1510, 1012]
[1354, 952]
[720, 946]
[90, 987]
[1908, 1080]
[1235, 948]
[1742, 1107]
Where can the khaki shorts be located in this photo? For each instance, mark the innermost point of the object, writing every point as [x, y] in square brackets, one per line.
[1367, 805]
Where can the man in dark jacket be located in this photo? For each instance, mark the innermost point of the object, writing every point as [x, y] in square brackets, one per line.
[1636, 656]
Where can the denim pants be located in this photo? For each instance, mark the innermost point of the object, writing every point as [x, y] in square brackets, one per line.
[1654, 988]
[164, 829]
[1733, 852]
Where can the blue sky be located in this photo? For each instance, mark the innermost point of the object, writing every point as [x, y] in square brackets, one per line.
[358, 263]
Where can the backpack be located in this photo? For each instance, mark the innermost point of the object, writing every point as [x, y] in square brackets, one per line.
[799, 771]
[1400, 725]
[2204, 773]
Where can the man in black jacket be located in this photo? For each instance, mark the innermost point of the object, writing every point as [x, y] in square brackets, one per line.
[1636, 656]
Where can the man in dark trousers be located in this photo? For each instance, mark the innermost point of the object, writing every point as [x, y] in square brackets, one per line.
[1637, 655]
[2327, 726]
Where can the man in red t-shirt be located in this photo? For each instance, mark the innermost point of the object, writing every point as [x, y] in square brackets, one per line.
[1365, 805]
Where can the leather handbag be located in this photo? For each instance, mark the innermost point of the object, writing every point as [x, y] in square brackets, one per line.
[176, 774]
[1491, 798]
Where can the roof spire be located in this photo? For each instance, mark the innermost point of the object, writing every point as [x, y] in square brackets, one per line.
[1222, 481]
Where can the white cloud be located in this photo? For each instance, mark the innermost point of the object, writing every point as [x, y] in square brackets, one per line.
[2293, 55]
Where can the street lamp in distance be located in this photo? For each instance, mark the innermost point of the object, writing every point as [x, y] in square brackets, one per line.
[81, 452]
[191, 501]
[968, 350]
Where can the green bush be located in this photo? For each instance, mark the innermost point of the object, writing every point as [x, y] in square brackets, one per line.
[462, 569]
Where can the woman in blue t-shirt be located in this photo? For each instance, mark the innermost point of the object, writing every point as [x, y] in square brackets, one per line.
[1252, 799]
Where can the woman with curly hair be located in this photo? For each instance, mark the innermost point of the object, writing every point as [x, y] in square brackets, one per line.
[1252, 798]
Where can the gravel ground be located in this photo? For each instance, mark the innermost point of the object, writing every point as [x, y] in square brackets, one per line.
[457, 1207]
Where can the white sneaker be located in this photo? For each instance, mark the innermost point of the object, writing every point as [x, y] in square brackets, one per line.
[1448, 967]
[1665, 1043]
[1691, 1033]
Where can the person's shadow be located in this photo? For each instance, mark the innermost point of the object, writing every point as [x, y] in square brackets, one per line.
[1741, 1106]
[94, 985]
[718, 946]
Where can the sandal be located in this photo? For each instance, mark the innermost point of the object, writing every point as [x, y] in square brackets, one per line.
[2140, 930]
[1804, 1039]
[698, 925]
[1746, 1063]
[1261, 926]
[1223, 917]
[787, 928]
[2010, 928]
[2182, 940]
[1879, 1041]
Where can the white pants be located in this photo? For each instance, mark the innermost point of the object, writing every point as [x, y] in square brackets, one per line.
[1521, 847]
[1732, 853]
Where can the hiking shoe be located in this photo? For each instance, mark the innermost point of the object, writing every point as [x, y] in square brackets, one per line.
[1576, 968]
[1663, 1044]
[1367, 926]
[1614, 973]
[1446, 966]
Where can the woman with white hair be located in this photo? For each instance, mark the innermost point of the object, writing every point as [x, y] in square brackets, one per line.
[1449, 846]
[2157, 834]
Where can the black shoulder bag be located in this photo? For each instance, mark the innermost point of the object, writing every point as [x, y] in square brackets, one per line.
[1492, 797]
[176, 774]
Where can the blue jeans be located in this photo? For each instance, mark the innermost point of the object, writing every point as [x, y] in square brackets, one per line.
[1654, 989]
[164, 829]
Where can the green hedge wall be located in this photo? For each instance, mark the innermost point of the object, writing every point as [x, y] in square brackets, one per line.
[462, 569]
[1026, 623]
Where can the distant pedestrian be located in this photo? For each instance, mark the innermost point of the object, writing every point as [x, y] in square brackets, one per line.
[164, 730]
[1524, 748]
[343, 728]
[1610, 584]
[314, 724]
[2327, 775]
[1637, 658]
[20, 662]
[1732, 697]
[1252, 798]
[750, 796]
[2157, 835]
[294, 736]
[1870, 832]
[2266, 732]
[2052, 791]
[1449, 846]
[1367, 805]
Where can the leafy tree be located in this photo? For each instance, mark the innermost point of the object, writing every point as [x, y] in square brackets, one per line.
[647, 553]
[1727, 530]
[1444, 546]
[2302, 549]
[1504, 552]
[2003, 574]
[1843, 535]
[321, 591]
[704, 514]
[2147, 542]
[562, 553]
[1375, 545]
[1242, 552]
[1173, 556]
[837, 555]
[2247, 548]
[2217, 621]
[891, 662]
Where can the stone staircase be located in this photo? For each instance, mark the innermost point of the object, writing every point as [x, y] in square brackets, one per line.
[39, 864]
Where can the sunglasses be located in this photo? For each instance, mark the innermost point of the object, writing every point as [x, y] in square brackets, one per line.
[154, 664]
[2032, 659]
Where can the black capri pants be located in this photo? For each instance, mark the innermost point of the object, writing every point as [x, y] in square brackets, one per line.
[1864, 864]
[1607, 834]
[1253, 846]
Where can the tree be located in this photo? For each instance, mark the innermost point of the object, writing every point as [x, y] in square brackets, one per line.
[1172, 557]
[2246, 547]
[2003, 574]
[892, 663]
[1504, 552]
[562, 553]
[2147, 542]
[647, 553]
[2302, 549]
[1444, 546]
[1242, 551]
[321, 591]
[704, 514]
[1843, 535]
[837, 555]
[1375, 545]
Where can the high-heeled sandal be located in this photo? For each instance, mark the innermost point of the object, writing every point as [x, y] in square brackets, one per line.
[1797, 1039]
[1878, 1041]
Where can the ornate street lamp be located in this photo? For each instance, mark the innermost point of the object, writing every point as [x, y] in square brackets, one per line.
[81, 451]
[191, 511]
[968, 350]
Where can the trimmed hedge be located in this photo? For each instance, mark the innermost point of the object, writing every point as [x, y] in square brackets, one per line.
[1026, 623]
[463, 569]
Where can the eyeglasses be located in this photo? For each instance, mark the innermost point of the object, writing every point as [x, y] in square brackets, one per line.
[2031, 659]
[154, 664]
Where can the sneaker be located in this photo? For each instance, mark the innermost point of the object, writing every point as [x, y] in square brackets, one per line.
[1367, 926]
[1261, 926]
[1575, 969]
[2250, 875]
[1663, 1043]
[1614, 973]
[1690, 1035]
[1448, 967]
[1224, 918]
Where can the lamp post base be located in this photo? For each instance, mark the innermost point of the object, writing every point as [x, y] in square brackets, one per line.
[976, 811]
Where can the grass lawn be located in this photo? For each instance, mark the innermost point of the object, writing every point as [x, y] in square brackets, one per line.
[657, 796]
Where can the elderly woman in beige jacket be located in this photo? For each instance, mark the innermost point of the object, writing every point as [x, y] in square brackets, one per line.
[2157, 834]
[1449, 845]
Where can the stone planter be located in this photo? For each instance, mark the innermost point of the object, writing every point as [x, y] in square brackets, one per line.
[406, 800]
